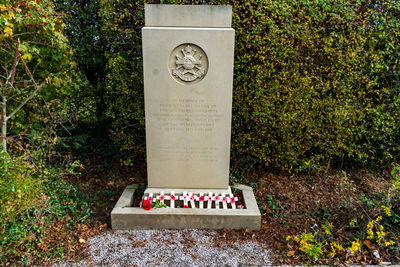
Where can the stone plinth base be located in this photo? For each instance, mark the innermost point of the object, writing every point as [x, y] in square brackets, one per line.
[126, 217]
[192, 190]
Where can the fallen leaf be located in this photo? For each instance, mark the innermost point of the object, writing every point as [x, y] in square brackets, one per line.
[81, 240]
[290, 253]
[368, 244]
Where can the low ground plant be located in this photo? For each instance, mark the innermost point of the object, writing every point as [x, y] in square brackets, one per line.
[18, 187]
[43, 216]
[371, 229]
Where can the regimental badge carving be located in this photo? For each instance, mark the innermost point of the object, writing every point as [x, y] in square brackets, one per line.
[188, 63]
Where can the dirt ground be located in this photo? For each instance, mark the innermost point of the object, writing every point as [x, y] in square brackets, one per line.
[290, 204]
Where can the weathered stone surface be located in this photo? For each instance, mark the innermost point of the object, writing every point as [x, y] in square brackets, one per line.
[124, 217]
[181, 190]
[205, 16]
[188, 76]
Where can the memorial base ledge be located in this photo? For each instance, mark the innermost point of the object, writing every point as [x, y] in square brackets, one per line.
[126, 217]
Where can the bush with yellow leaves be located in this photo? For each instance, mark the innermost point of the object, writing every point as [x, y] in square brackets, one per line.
[18, 187]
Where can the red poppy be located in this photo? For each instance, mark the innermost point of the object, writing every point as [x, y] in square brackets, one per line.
[146, 204]
[172, 197]
[150, 199]
[224, 199]
[233, 200]
[191, 198]
[186, 207]
[201, 198]
[162, 197]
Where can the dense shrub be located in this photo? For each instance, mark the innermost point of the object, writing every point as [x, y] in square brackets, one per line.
[51, 225]
[124, 81]
[18, 188]
[316, 82]
[38, 78]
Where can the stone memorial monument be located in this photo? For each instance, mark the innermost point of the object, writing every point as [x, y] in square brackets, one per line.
[188, 54]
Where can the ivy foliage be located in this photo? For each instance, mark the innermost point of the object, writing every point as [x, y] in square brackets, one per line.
[316, 82]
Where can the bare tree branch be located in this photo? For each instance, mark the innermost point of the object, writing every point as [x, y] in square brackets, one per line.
[14, 67]
[3, 90]
[27, 70]
[37, 87]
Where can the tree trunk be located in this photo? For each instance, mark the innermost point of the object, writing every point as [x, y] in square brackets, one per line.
[4, 123]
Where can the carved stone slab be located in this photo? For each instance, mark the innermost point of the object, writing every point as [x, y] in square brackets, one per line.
[188, 63]
[188, 76]
[205, 16]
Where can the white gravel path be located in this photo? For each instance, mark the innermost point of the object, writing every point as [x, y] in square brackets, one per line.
[171, 248]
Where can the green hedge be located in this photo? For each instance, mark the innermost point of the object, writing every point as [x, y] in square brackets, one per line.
[316, 82]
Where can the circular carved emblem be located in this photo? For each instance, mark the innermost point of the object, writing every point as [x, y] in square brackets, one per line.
[188, 63]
